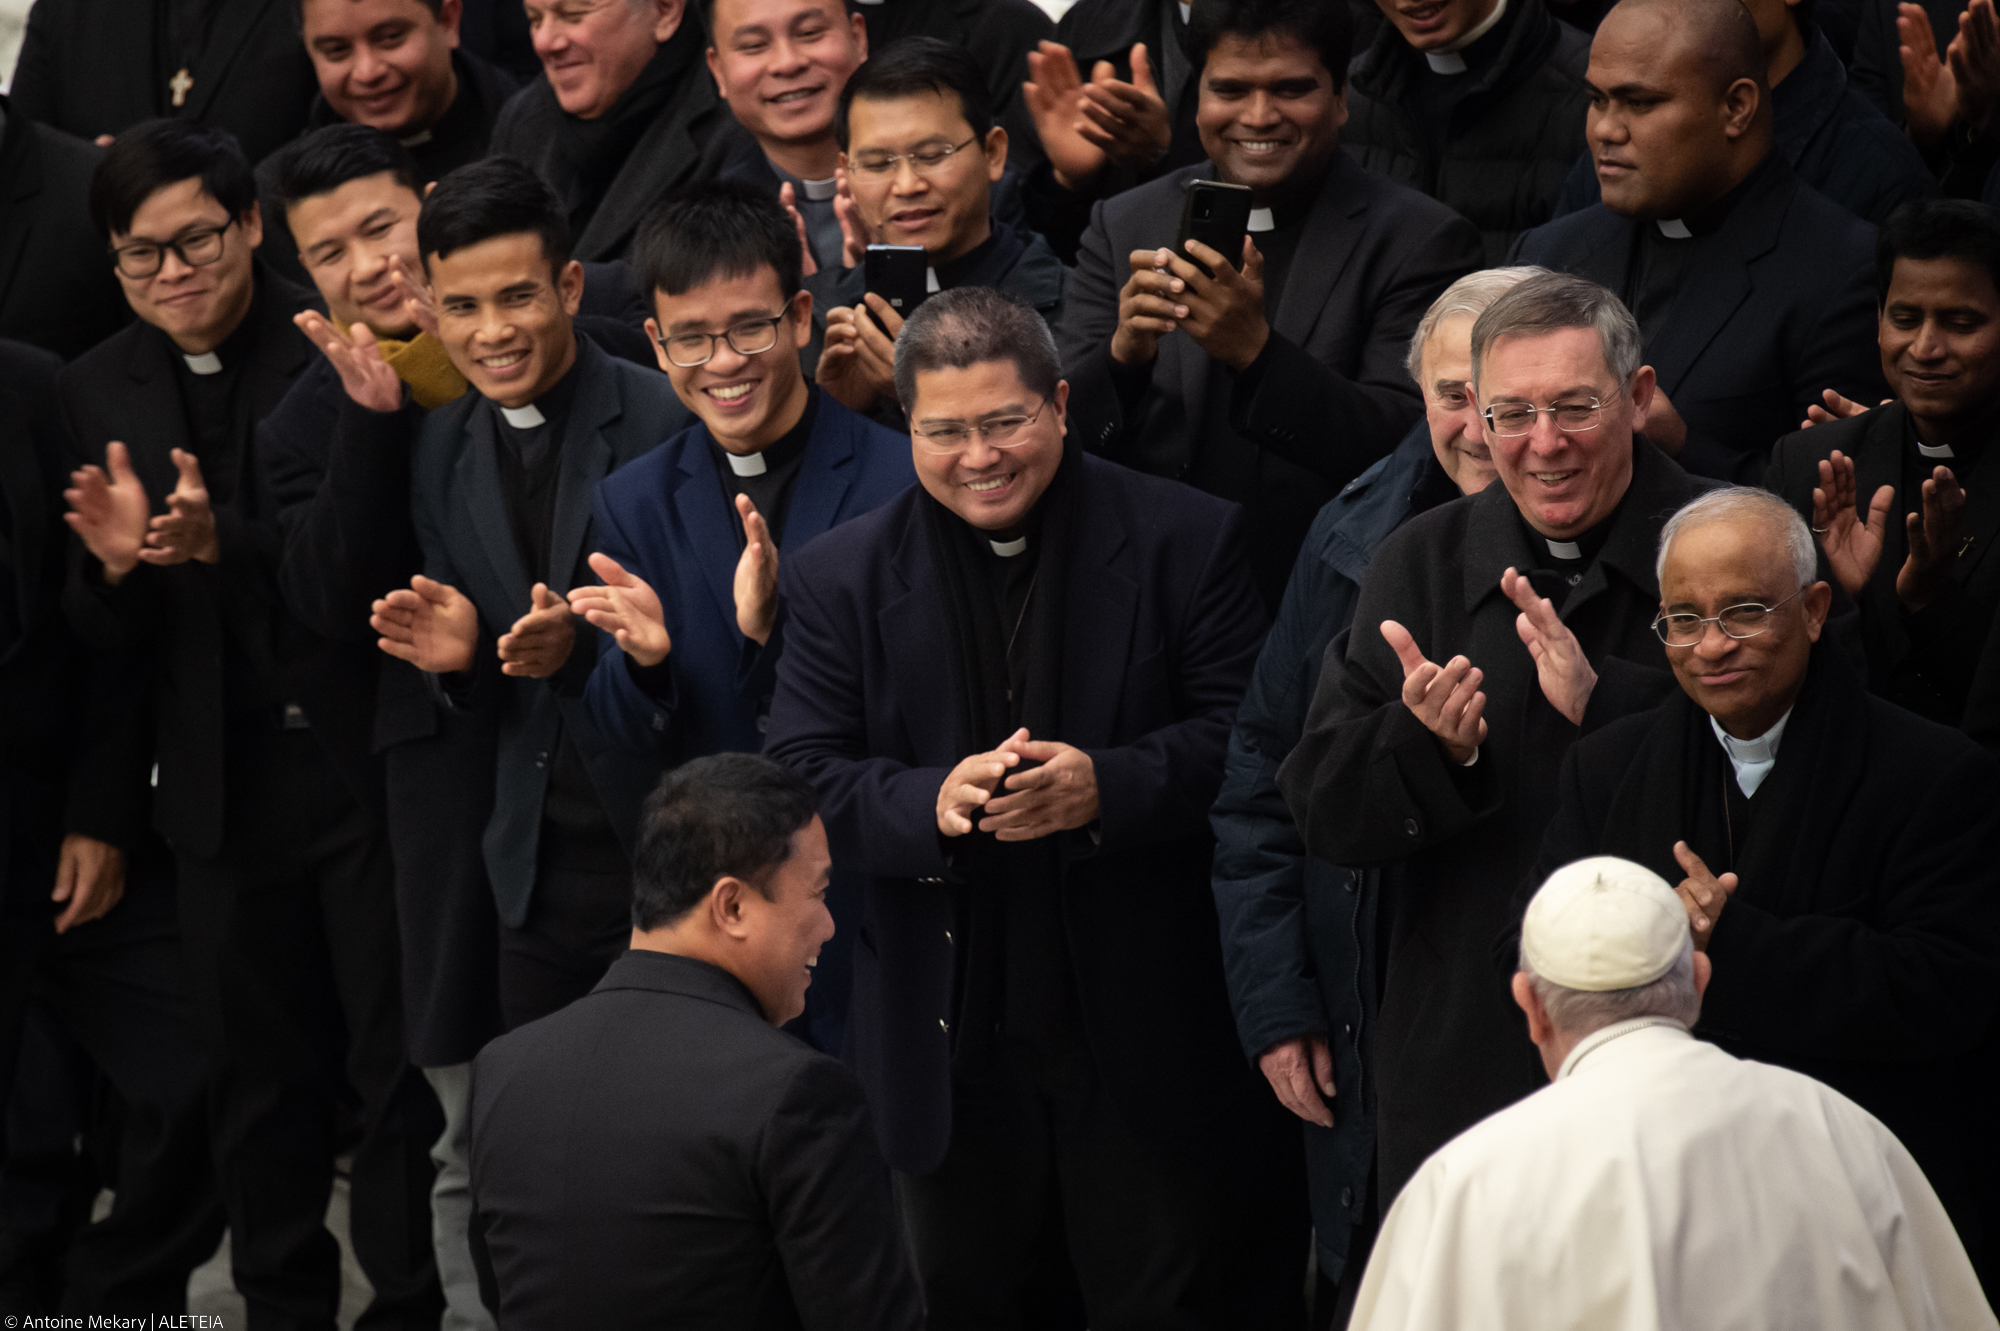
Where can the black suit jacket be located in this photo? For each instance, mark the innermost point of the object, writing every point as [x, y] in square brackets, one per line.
[656, 1154]
[182, 619]
[93, 67]
[620, 412]
[1778, 304]
[72, 755]
[57, 287]
[1162, 627]
[1928, 661]
[1332, 395]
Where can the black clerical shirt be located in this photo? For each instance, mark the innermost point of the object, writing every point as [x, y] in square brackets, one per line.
[1435, 95]
[769, 476]
[1660, 262]
[1560, 565]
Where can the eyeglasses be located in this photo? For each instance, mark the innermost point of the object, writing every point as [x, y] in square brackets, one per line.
[1738, 621]
[948, 437]
[923, 161]
[750, 338]
[196, 249]
[1511, 419]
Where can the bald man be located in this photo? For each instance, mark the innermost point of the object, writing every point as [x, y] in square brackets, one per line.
[1753, 292]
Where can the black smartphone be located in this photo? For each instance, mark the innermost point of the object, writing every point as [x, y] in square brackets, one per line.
[899, 274]
[1217, 215]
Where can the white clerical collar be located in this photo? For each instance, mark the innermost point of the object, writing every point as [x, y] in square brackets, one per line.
[931, 282]
[821, 190]
[1187, 11]
[524, 418]
[1604, 1035]
[1008, 549]
[206, 362]
[1468, 37]
[1445, 62]
[416, 140]
[747, 464]
[1941, 451]
[1753, 759]
[1261, 220]
[1674, 229]
[1564, 549]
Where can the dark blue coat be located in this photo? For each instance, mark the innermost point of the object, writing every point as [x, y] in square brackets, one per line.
[1298, 933]
[666, 519]
[1161, 626]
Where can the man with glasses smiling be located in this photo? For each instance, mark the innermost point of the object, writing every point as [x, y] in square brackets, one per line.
[1834, 853]
[1486, 632]
[1012, 687]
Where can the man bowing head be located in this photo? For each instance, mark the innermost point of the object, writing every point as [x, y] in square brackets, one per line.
[1012, 687]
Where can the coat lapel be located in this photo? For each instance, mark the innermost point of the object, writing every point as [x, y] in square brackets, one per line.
[485, 508]
[586, 460]
[1719, 279]
[1332, 229]
[1101, 606]
[658, 163]
[703, 515]
[824, 475]
[915, 638]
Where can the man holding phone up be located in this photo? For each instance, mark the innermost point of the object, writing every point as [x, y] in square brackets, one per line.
[1289, 380]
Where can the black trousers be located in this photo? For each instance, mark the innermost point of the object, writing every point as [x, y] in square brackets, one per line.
[1048, 1213]
[118, 986]
[579, 922]
[291, 941]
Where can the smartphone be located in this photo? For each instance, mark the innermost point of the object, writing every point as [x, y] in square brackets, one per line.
[899, 274]
[1217, 215]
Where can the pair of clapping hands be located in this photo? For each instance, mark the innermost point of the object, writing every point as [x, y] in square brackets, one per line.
[435, 627]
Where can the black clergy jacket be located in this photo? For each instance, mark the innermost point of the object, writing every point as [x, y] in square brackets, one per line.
[185, 619]
[1160, 629]
[1369, 785]
[58, 289]
[1930, 661]
[1778, 304]
[1862, 945]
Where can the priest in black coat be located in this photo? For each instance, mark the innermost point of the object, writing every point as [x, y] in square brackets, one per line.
[57, 287]
[1444, 766]
[1839, 857]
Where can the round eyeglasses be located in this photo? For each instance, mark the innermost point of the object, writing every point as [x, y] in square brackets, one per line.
[197, 249]
[922, 160]
[1511, 419]
[1738, 621]
[947, 437]
[752, 337]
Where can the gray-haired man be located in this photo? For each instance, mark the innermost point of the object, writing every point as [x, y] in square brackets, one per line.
[1836, 853]
[1011, 688]
[1430, 746]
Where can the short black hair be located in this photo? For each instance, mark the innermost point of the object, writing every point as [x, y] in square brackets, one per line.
[967, 326]
[324, 160]
[1937, 229]
[717, 229]
[1325, 25]
[436, 7]
[154, 154]
[729, 815]
[911, 66]
[495, 196]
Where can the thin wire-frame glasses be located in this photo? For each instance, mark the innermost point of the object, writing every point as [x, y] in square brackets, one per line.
[950, 437]
[1738, 621]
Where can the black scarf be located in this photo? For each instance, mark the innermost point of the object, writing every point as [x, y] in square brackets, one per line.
[1013, 956]
[595, 150]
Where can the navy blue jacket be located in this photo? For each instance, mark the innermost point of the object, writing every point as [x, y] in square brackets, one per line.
[1161, 626]
[1298, 933]
[1778, 304]
[665, 519]
[621, 411]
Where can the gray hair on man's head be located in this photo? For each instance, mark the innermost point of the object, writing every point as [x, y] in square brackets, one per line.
[1470, 294]
[1551, 302]
[1578, 1012]
[1745, 502]
[967, 326]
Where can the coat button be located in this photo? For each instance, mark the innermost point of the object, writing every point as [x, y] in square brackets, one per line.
[944, 1025]
[1409, 827]
[1352, 881]
[1347, 1196]
[947, 938]
[1347, 1027]
[542, 759]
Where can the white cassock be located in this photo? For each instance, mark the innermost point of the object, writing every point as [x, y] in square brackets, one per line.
[1661, 1183]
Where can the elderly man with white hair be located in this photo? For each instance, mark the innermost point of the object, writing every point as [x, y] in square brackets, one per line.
[1836, 856]
[1659, 1181]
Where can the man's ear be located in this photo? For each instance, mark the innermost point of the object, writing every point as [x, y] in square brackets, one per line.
[1704, 969]
[1644, 384]
[1739, 107]
[726, 907]
[995, 148]
[1061, 403]
[1818, 600]
[450, 14]
[252, 222]
[667, 16]
[802, 311]
[569, 285]
[1540, 1029]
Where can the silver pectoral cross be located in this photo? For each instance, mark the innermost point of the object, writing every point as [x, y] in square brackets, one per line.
[180, 85]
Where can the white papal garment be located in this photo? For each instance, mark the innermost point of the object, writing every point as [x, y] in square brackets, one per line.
[1661, 1183]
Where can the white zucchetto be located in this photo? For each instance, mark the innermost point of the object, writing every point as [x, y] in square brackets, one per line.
[1604, 923]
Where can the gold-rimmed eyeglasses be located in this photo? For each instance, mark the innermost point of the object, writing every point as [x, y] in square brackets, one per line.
[948, 437]
[922, 160]
[1738, 621]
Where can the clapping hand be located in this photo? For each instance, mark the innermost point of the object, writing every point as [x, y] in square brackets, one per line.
[187, 529]
[1565, 673]
[540, 641]
[1082, 126]
[432, 626]
[625, 606]
[1837, 408]
[1445, 698]
[1933, 534]
[756, 576]
[356, 358]
[108, 510]
[1852, 547]
[1702, 893]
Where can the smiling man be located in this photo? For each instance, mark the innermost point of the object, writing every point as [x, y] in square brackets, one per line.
[1481, 633]
[1834, 853]
[1908, 494]
[500, 493]
[1275, 385]
[715, 1172]
[1011, 687]
[1751, 289]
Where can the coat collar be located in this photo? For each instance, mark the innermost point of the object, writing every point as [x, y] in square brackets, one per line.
[671, 973]
[1496, 536]
[1809, 97]
[1385, 69]
[1374, 504]
[662, 159]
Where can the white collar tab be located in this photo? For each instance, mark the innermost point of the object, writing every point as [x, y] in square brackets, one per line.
[1445, 62]
[1261, 219]
[524, 418]
[1941, 451]
[204, 363]
[1008, 549]
[821, 190]
[1673, 228]
[1565, 549]
[751, 464]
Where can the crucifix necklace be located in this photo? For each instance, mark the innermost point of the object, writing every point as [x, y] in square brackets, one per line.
[180, 85]
[185, 25]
